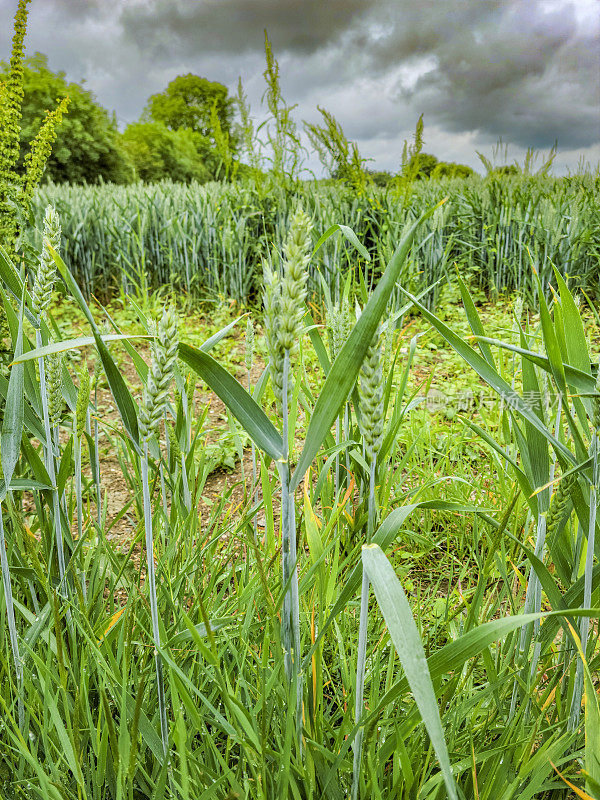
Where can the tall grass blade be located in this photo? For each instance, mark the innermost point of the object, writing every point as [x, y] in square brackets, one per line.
[403, 632]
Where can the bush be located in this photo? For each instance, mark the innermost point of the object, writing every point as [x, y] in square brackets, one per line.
[157, 152]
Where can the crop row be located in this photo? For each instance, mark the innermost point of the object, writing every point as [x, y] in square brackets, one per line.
[212, 239]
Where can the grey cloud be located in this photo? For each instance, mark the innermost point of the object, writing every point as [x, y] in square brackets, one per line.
[516, 69]
[234, 26]
[76, 9]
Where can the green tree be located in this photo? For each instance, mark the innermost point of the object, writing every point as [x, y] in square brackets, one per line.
[87, 144]
[422, 164]
[190, 101]
[380, 178]
[426, 165]
[506, 169]
[157, 152]
[448, 169]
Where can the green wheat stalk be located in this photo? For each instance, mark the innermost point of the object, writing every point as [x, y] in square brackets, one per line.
[249, 357]
[371, 409]
[79, 426]
[160, 375]
[284, 300]
[584, 625]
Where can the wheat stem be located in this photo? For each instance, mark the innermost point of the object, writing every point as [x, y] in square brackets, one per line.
[362, 640]
[10, 617]
[50, 462]
[153, 601]
[584, 625]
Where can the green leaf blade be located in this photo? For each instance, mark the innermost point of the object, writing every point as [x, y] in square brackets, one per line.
[403, 630]
[14, 411]
[241, 404]
[344, 370]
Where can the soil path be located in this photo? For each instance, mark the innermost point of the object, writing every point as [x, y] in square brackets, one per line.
[117, 491]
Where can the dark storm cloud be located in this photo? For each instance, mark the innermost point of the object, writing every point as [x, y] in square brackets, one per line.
[521, 69]
[526, 70]
[76, 9]
[234, 26]
[535, 106]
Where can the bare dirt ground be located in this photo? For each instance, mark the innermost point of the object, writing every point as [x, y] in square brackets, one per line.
[117, 492]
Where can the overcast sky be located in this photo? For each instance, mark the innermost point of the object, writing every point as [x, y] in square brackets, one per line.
[524, 70]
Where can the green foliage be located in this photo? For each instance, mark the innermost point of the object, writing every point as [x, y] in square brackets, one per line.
[339, 156]
[157, 152]
[409, 166]
[249, 143]
[496, 165]
[35, 163]
[417, 165]
[285, 156]
[426, 165]
[422, 164]
[203, 106]
[448, 169]
[411, 152]
[11, 101]
[273, 150]
[86, 147]
[16, 189]
[505, 169]
[212, 239]
[449, 575]
[224, 147]
[380, 178]
[457, 689]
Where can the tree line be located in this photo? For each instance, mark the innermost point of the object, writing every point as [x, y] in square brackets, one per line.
[189, 131]
[178, 135]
